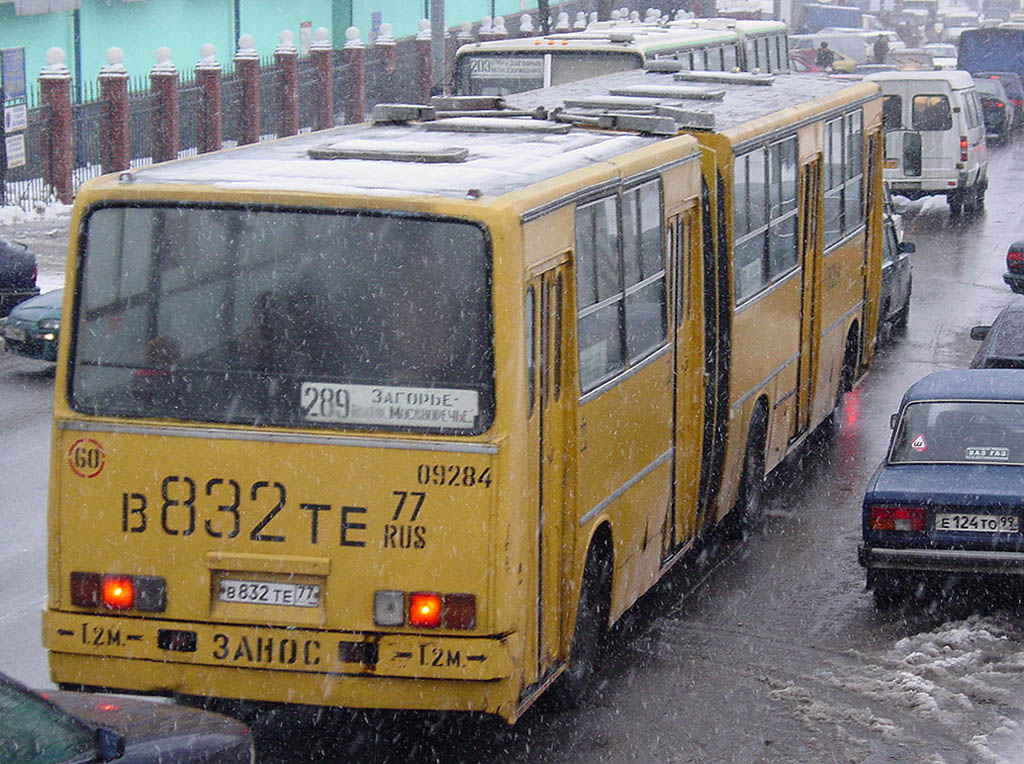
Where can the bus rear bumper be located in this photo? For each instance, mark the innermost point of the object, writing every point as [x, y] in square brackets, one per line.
[274, 664]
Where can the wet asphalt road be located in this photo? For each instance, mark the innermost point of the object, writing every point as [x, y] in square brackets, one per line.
[762, 651]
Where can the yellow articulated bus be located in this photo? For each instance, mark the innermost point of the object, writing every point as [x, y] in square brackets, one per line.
[406, 414]
[500, 67]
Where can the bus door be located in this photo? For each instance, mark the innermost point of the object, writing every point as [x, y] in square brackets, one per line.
[872, 251]
[545, 309]
[810, 262]
[688, 409]
[716, 297]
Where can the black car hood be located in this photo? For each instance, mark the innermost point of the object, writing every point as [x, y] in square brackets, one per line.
[184, 734]
[17, 269]
[955, 484]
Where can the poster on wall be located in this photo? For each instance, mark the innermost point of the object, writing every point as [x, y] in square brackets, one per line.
[15, 145]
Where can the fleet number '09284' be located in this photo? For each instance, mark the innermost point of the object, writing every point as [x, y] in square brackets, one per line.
[464, 475]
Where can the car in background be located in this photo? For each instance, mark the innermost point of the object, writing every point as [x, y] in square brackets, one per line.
[897, 281]
[58, 727]
[996, 108]
[803, 61]
[943, 54]
[1002, 341]
[17, 275]
[1014, 276]
[32, 328]
[911, 60]
[946, 503]
[954, 22]
[1014, 87]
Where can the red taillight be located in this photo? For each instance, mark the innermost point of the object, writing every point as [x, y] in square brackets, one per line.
[1000, 105]
[425, 609]
[1015, 260]
[118, 592]
[1017, 102]
[896, 518]
[963, 148]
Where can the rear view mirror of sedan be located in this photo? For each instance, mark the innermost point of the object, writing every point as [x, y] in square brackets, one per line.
[979, 332]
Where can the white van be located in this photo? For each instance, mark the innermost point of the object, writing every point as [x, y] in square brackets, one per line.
[934, 137]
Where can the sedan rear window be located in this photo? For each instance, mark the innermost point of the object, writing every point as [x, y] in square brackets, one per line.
[981, 432]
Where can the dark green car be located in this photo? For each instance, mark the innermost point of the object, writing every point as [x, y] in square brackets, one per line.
[33, 326]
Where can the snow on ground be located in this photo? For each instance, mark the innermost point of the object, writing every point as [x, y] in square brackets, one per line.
[13, 214]
[43, 228]
[957, 688]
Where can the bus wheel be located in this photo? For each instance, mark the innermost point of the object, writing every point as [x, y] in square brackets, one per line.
[748, 514]
[591, 625]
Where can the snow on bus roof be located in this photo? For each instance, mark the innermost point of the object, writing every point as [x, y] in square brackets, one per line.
[742, 102]
[494, 163]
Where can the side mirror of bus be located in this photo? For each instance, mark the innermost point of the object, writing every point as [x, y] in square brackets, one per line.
[894, 420]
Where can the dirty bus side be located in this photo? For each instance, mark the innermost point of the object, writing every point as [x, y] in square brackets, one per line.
[298, 434]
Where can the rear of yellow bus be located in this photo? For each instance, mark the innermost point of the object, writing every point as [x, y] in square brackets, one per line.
[274, 475]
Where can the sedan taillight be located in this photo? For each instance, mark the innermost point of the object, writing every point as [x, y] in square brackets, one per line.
[1015, 260]
[896, 518]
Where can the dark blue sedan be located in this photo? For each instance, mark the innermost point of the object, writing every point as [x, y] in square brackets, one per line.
[947, 501]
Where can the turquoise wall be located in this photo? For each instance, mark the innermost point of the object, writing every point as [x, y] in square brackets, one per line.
[140, 28]
[405, 15]
[185, 25]
[36, 34]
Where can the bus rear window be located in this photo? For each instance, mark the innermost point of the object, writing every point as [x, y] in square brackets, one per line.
[931, 112]
[512, 72]
[279, 317]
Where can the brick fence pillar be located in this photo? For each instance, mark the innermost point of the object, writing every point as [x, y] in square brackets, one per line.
[385, 45]
[286, 58]
[163, 83]
[423, 42]
[355, 67]
[247, 66]
[322, 55]
[115, 137]
[58, 159]
[211, 100]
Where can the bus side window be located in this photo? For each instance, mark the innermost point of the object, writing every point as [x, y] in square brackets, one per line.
[892, 113]
[729, 58]
[599, 299]
[644, 269]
